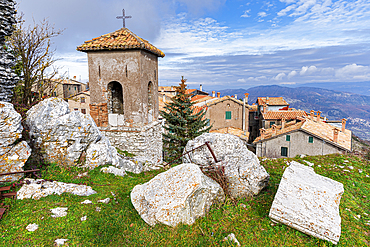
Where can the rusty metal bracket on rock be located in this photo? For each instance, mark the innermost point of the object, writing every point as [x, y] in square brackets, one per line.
[205, 144]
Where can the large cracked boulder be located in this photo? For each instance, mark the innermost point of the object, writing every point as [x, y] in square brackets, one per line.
[13, 154]
[63, 137]
[308, 202]
[179, 195]
[245, 175]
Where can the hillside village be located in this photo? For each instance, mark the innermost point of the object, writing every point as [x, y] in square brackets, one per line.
[105, 140]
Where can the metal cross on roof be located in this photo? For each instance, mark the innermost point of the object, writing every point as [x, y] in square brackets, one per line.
[123, 17]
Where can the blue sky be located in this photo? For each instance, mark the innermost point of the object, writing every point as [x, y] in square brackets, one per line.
[224, 44]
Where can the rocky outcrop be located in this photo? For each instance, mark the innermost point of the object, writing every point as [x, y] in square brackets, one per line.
[308, 202]
[245, 175]
[13, 155]
[62, 137]
[179, 195]
[8, 78]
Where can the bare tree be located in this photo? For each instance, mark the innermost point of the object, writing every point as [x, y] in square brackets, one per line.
[32, 47]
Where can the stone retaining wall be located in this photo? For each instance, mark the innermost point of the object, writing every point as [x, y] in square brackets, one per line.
[145, 141]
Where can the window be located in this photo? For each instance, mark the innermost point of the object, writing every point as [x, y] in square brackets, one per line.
[82, 99]
[272, 123]
[75, 88]
[55, 93]
[284, 151]
[310, 139]
[83, 111]
[288, 138]
[76, 109]
[228, 115]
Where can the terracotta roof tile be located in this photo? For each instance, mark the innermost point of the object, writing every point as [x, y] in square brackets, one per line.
[234, 131]
[274, 115]
[271, 101]
[122, 39]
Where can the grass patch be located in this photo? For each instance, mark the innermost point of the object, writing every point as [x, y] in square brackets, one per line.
[118, 223]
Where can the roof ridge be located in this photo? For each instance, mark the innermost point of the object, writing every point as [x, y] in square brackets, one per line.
[142, 44]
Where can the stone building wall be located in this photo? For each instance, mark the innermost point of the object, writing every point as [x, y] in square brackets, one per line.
[298, 144]
[8, 78]
[142, 141]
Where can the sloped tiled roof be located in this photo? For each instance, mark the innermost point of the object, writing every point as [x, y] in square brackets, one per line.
[271, 101]
[319, 129]
[253, 108]
[226, 98]
[122, 39]
[274, 115]
[234, 131]
[188, 91]
[166, 88]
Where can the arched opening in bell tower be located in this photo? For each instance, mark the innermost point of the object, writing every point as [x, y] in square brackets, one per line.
[115, 98]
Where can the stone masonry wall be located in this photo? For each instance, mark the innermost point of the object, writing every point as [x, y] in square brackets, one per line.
[145, 141]
[8, 78]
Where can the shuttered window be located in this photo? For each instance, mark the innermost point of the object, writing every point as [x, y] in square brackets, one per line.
[228, 115]
[310, 139]
[288, 138]
[284, 151]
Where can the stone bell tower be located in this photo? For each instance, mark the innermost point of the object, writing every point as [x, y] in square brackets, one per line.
[123, 79]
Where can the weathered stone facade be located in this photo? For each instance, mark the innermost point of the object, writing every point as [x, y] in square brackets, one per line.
[123, 79]
[145, 141]
[8, 78]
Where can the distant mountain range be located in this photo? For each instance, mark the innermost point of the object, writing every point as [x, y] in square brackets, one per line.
[335, 105]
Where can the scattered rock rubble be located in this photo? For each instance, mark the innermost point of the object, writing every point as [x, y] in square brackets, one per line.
[58, 212]
[180, 195]
[245, 175]
[32, 227]
[38, 188]
[13, 155]
[308, 202]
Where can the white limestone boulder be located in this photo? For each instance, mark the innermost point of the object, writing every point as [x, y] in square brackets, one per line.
[179, 195]
[14, 160]
[246, 177]
[10, 126]
[308, 202]
[62, 136]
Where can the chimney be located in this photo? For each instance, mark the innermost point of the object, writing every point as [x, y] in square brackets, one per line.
[213, 94]
[74, 77]
[312, 114]
[218, 94]
[282, 123]
[267, 100]
[200, 87]
[236, 96]
[274, 129]
[164, 98]
[318, 116]
[264, 108]
[262, 132]
[344, 124]
[246, 97]
[335, 138]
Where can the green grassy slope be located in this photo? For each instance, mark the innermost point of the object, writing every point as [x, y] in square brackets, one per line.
[118, 224]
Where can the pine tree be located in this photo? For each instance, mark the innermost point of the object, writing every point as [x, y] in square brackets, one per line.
[182, 123]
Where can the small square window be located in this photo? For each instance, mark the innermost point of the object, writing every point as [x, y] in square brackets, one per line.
[310, 139]
[288, 138]
[272, 123]
[228, 115]
[76, 109]
[82, 99]
[83, 111]
[284, 151]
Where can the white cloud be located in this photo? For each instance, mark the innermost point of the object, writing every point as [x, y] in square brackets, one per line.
[292, 74]
[262, 14]
[354, 71]
[308, 70]
[279, 77]
[246, 13]
[241, 80]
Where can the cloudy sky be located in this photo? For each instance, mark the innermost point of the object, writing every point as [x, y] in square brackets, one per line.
[224, 44]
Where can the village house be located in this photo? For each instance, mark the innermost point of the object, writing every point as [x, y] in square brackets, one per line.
[123, 77]
[80, 102]
[228, 114]
[306, 135]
